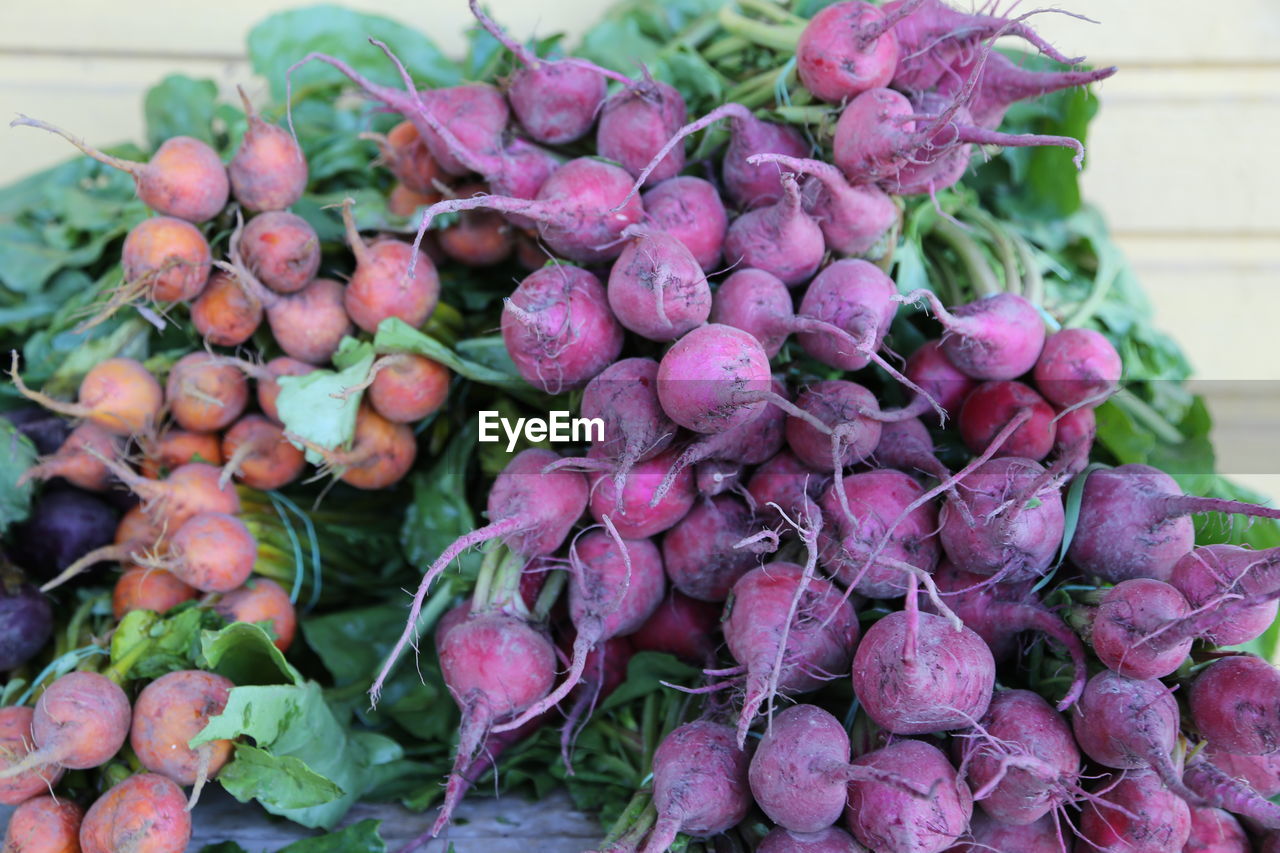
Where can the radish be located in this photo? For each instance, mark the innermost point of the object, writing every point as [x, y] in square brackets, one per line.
[184, 178]
[204, 395]
[380, 455]
[789, 630]
[73, 463]
[636, 122]
[308, 324]
[281, 249]
[475, 114]
[1216, 831]
[700, 784]
[656, 287]
[800, 772]
[391, 279]
[15, 747]
[163, 259]
[225, 314]
[1125, 634]
[556, 101]
[991, 405]
[681, 626]
[699, 552]
[1001, 83]
[44, 824]
[1021, 760]
[580, 210]
[148, 589]
[262, 600]
[616, 584]
[1207, 575]
[145, 812]
[914, 673]
[932, 34]
[884, 817]
[855, 220]
[999, 612]
[881, 536]
[1130, 724]
[624, 396]
[780, 238]
[785, 484]
[79, 722]
[997, 337]
[268, 171]
[649, 502]
[1134, 814]
[747, 183]
[747, 444]
[532, 510]
[714, 378]
[929, 369]
[1221, 790]
[1000, 520]
[690, 210]
[118, 394]
[1133, 523]
[558, 328]
[986, 834]
[846, 409]
[829, 840]
[1235, 703]
[1077, 367]
[848, 48]
[258, 454]
[170, 712]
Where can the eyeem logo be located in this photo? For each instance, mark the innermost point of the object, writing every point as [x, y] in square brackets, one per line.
[557, 427]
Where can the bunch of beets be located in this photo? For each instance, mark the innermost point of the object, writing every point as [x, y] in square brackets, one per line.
[751, 505]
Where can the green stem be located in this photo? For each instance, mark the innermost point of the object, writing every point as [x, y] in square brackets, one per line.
[752, 87]
[547, 597]
[816, 114]
[770, 10]
[1032, 280]
[724, 47]
[779, 37]
[1108, 272]
[981, 276]
[622, 826]
[506, 585]
[480, 595]
[1005, 249]
[1141, 410]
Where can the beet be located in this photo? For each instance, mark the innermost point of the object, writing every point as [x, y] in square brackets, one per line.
[65, 524]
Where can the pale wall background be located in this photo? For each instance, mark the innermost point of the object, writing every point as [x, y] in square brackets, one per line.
[1184, 155]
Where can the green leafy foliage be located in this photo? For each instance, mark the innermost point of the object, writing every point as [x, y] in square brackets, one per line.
[147, 645]
[305, 763]
[318, 407]
[286, 37]
[180, 106]
[18, 455]
[361, 837]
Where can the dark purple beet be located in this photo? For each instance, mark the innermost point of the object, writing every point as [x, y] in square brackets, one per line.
[65, 524]
[26, 619]
[46, 430]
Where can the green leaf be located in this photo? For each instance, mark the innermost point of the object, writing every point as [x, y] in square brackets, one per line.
[440, 512]
[18, 455]
[286, 37]
[395, 335]
[244, 652]
[180, 106]
[283, 782]
[353, 643]
[362, 837]
[314, 406]
[147, 645]
[294, 721]
[645, 673]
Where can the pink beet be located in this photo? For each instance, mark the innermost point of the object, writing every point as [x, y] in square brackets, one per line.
[699, 784]
[714, 378]
[637, 513]
[781, 238]
[1235, 703]
[848, 48]
[690, 210]
[558, 328]
[999, 337]
[885, 817]
[636, 122]
[1077, 367]
[699, 551]
[992, 405]
[657, 289]
[855, 220]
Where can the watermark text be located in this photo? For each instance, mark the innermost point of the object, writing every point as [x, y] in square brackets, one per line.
[558, 427]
